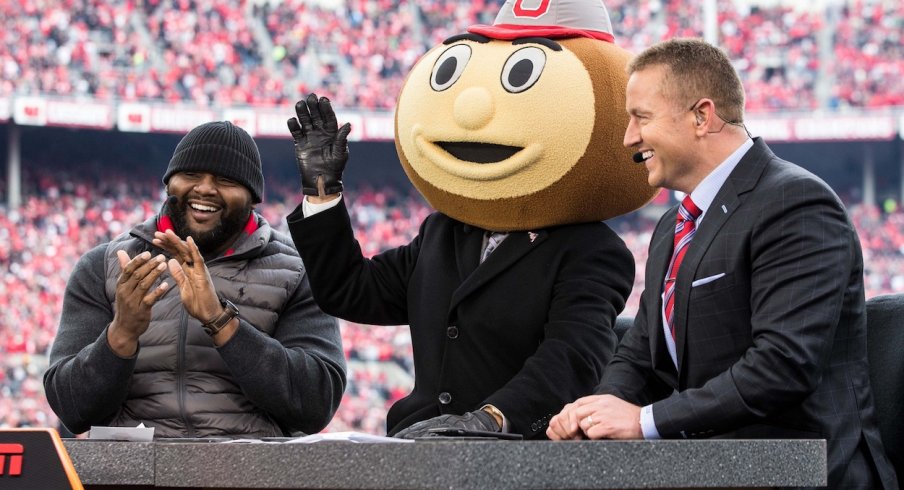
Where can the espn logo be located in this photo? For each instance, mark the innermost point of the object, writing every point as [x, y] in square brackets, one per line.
[13, 453]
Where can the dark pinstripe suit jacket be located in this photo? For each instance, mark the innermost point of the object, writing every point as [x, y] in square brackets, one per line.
[775, 348]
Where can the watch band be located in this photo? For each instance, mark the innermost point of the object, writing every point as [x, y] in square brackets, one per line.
[214, 326]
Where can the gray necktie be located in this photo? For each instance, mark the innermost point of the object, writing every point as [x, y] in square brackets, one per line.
[493, 241]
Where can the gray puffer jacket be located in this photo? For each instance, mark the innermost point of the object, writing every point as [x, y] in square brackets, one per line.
[282, 372]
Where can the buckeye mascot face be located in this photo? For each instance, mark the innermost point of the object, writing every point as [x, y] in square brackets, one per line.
[519, 125]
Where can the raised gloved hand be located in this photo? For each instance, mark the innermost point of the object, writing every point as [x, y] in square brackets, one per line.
[321, 147]
[476, 420]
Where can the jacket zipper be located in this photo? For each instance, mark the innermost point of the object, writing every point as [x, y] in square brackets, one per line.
[180, 373]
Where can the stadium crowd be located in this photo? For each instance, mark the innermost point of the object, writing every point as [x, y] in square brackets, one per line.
[357, 52]
[65, 213]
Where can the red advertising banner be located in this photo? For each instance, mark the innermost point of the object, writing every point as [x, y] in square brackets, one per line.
[243, 118]
[81, 114]
[827, 127]
[270, 122]
[179, 119]
[30, 111]
[844, 128]
[770, 129]
[40, 111]
[379, 127]
[133, 118]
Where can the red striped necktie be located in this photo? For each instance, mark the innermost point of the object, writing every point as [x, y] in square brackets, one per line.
[688, 212]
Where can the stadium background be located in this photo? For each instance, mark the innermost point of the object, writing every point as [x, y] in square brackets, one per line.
[95, 95]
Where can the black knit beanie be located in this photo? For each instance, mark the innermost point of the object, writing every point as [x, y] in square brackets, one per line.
[223, 149]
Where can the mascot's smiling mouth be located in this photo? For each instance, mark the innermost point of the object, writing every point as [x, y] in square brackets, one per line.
[478, 152]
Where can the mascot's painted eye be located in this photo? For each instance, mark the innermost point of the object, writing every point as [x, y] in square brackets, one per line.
[522, 69]
[449, 66]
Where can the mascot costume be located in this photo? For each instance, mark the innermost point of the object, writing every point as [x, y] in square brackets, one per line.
[513, 133]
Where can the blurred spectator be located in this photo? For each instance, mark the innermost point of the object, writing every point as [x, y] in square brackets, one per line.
[869, 54]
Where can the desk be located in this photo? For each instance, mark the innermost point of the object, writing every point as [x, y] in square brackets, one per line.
[452, 464]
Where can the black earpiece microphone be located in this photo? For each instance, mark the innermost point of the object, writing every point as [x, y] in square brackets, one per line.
[641, 157]
[170, 203]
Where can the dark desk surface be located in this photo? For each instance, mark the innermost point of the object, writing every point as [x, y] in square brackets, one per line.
[453, 464]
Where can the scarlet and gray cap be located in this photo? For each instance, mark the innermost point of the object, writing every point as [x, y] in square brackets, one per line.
[552, 19]
[223, 149]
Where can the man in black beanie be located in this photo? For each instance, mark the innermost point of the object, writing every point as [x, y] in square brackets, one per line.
[237, 348]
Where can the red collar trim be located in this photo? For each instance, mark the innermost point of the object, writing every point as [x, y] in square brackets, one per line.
[164, 223]
[250, 227]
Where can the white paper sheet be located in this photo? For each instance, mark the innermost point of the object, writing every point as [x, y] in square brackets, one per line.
[139, 433]
[347, 437]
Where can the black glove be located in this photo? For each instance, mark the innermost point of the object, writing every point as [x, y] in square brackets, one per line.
[476, 420]
[321, 148]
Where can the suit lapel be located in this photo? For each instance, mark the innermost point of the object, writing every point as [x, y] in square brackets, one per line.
[742, 179]
[512, 249]
[657, 263]
[468, 241]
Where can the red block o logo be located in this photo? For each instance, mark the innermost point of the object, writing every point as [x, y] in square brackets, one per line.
[520, 11]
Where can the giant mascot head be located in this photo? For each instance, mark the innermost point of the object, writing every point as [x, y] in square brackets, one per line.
[519, 125]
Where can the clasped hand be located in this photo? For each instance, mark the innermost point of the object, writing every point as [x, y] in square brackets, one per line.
[596, 417]
[321, 146]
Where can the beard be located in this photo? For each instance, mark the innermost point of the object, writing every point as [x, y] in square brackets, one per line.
[232, 222]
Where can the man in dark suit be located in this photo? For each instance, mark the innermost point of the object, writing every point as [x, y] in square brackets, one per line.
[752, 324]
[501, 338]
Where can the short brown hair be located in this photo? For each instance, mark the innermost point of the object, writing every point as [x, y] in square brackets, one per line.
[697, 70]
